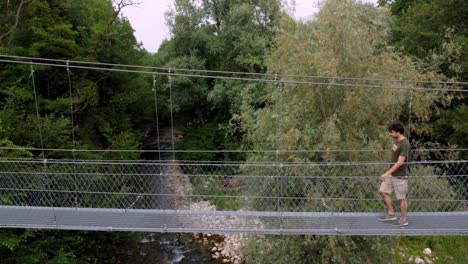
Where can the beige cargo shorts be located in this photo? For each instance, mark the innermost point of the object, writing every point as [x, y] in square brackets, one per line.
[400, 186]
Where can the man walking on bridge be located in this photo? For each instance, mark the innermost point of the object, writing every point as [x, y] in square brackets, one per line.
[396, 178]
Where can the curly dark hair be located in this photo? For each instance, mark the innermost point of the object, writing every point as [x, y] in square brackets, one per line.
[397, 127]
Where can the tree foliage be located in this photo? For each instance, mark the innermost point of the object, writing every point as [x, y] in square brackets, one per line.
[318, 249]
[346, 39]
[416, 40]
[218, 35]
[78, 30]
[434, 32]
[104, 105]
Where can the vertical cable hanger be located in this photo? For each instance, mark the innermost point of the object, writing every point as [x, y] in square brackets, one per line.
[39, 126]
[154, 89]
[172, 117]
[409, 114]
[278, 147]
[393, 106]
[71, 110]
[281, 169]
[72, 113]
[280, 172]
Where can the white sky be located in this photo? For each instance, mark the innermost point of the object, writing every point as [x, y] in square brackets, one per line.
[150, 27]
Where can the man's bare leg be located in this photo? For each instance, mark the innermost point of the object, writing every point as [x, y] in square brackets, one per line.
[388, 203]
[404, 209]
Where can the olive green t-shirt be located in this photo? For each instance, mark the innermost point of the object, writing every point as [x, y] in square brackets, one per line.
[401, 148]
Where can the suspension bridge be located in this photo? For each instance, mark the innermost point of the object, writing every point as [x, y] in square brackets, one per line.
[268, 195]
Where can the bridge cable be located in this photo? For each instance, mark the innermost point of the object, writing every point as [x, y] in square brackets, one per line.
[39, 126]
[73, 133]
[279, 103]
[157, 134]
[154, 89]
[342, 85]
[172, 118]
[230, 72]
[393, 106]
[233, 150]
[278, 147]
[71, 110]
[409, 115]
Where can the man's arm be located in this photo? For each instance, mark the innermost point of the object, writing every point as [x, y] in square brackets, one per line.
[398, 164]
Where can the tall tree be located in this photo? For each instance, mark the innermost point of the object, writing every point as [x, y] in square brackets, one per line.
[218, 35]
[102, 101]
[346, 39]
[104, 107]
[435, 33]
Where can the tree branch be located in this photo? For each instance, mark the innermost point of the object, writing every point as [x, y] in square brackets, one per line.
[23, 2]
[121, 4]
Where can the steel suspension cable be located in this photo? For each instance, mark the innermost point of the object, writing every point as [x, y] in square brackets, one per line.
[283, 191]
[409, 115]
[393, 106]
[230, 150]
[73, 134]
[224, 164]
[39, 126]
[172, 118]
[278, 141]
[157, 119]
[71, 111]
[233, 72]
[342, 85]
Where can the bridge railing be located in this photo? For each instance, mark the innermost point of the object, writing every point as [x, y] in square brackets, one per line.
[434, 186]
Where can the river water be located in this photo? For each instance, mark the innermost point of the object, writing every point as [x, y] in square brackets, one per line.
[161, 248]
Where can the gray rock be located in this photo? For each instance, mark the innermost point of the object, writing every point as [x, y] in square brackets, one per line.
[419, 260]
[427, 251]
[427, 260]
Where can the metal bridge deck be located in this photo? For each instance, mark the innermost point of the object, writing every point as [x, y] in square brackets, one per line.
[245, 222]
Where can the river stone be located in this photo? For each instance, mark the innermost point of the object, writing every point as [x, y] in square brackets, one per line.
[427, 251]
[418, 260]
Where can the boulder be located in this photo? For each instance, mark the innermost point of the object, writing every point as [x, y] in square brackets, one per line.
[427, 251]
[419, 260]
[427, 260]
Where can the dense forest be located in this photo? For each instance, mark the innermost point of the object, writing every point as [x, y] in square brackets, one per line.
[421, 40]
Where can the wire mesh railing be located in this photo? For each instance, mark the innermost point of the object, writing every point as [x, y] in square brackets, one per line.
[435, 186]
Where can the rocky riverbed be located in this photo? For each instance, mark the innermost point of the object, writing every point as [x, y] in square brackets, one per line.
[186, 248]
[223, 248]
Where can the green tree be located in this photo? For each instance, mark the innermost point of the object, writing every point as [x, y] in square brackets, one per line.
[318, 249]
[218, 35]
[346, 39]
[103, 102]
[434, 33]
[108, 109]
